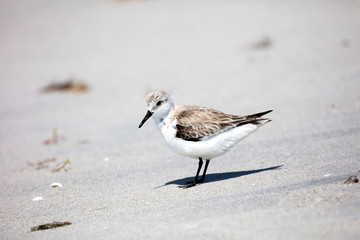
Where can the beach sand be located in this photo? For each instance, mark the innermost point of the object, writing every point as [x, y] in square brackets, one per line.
[286, 181]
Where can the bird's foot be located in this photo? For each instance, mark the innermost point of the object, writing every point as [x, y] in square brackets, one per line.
[197, 181]
[188, 185]
[190, 182]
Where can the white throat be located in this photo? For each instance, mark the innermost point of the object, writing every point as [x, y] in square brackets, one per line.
[162, 120]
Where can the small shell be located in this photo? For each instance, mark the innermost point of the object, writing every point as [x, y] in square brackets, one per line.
[56, 184]
[38, 198]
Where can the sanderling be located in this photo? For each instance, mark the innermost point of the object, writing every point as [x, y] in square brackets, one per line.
[199, 132]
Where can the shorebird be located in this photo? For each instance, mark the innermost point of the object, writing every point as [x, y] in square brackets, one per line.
[199, 132]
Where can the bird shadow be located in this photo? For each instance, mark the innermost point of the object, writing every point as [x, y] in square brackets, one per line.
[215, 177]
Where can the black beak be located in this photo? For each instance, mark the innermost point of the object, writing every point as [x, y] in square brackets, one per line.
[147, 116]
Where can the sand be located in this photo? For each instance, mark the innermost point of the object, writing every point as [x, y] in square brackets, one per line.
[286, 181]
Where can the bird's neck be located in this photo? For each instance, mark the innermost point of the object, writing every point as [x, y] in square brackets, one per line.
[162, 120]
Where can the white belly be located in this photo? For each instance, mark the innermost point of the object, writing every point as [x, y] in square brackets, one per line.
[209, 148]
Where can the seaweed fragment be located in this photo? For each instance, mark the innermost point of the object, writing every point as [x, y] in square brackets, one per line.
[68, 85]
[55, 138]
[62, 166]
[42, 164]
[262, 44]
[352, 179]
[50, 226]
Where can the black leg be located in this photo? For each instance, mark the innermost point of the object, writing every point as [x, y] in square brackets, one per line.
[204, 173]
[193, 183]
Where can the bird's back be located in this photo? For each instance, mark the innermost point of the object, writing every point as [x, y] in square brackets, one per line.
[195, 123]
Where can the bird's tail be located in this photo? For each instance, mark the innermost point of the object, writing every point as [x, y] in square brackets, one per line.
[257, 115]
[256, 119]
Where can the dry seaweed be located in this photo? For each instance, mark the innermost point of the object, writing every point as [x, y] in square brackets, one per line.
[62, 166]
[262, 44]
[54, 139]
[50, 226]
[352, 179]
[45, 164]
[42, 164]
[68, 85]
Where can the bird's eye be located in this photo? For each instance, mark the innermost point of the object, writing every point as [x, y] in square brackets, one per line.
[159, 103]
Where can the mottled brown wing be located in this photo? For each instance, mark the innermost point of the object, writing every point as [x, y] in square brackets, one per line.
[195, 123]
